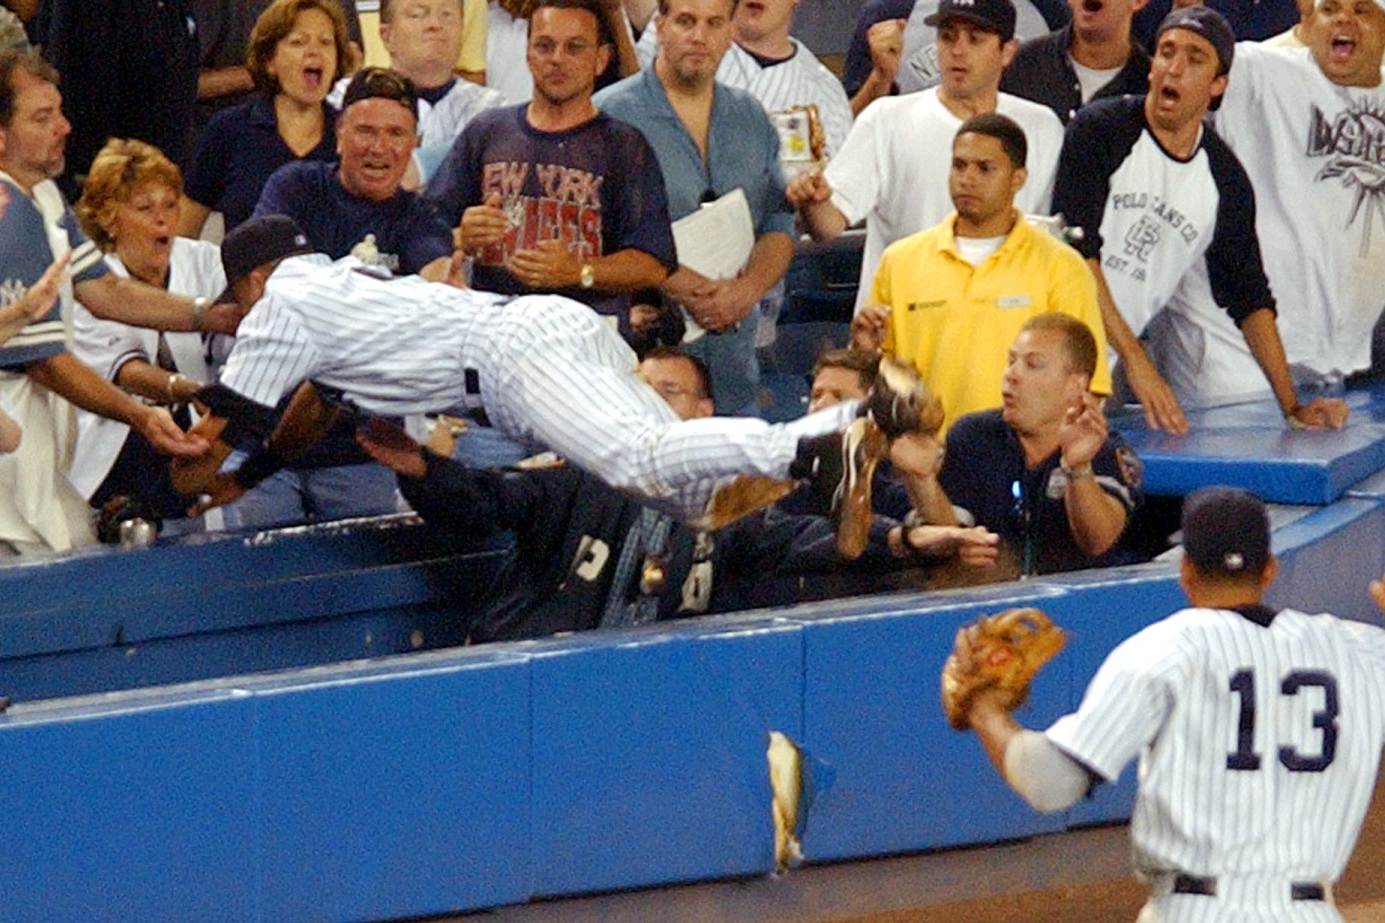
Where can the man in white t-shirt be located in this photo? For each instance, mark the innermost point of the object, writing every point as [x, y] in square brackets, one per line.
[1306, 125]
[1169, 225]
[893, 168]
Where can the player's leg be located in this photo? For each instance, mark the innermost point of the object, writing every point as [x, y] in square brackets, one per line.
[575, 387]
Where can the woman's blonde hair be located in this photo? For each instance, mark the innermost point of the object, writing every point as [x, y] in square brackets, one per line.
[276, 22]
[121, 167]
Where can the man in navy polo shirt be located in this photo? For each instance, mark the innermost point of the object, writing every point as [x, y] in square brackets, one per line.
[356, 206]
[1042, 471]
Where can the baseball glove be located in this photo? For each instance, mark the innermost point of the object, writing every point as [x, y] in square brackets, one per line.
[1001, 651]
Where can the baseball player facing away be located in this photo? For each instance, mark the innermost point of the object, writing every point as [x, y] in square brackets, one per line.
[1259, 735]
[544, 368]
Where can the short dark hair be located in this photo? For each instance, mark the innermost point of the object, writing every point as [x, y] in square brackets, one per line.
[386, 9]
[1078, 340]
[1004, 129]
[663, 7]
[603, 28]
[28, 61]
[865, 364]
[704, 375]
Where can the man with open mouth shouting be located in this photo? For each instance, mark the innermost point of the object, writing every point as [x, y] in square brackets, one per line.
[1169, 232]
[1309, 126]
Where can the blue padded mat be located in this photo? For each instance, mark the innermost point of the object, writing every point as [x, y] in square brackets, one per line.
[1248, 445]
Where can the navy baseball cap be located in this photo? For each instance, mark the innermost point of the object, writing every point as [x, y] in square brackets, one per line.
[381, 83]
[1226, 531]
[992, 15]
[259, 241]
[1207, 23]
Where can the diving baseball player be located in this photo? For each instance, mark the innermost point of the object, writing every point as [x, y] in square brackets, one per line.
[1258, 731]
[544, 368]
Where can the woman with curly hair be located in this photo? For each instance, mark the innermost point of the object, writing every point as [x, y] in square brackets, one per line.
[129, 208]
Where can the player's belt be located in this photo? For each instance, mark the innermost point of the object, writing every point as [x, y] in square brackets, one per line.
[1207, 886]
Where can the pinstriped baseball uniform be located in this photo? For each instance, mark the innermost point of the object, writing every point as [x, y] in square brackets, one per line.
[799, 81]
[549, 370]
[1259, 735]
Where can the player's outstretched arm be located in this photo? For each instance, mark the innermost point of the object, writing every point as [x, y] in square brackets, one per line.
[994, 725]
[305, 420]
[985, 678]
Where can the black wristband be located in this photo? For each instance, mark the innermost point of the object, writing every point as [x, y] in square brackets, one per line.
[261, 464]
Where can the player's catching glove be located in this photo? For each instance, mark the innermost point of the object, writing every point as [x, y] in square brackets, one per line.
[1001, 651]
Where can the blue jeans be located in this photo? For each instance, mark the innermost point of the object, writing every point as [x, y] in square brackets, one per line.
[296, 495]
[487, 447]
[734, 367]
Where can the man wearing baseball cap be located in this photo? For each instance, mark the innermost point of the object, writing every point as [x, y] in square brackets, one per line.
[1168, 217]
[357, 205]
[1250, 725]
[1305, 123]
[893, 169]
[333, 479]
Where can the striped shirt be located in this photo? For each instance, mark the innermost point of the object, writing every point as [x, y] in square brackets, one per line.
[32, 229]
[1259, 735]
[395, 346]
[801, 80]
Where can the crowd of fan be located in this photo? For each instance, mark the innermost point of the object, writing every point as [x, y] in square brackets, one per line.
[1225, 189]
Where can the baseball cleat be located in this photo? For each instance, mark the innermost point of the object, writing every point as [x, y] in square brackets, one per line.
[899, 402]
[849, 475]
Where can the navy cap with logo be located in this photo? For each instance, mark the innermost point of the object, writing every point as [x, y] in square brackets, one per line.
[1226, 531]
[1207, 23]
[992, 15]
[259, 241]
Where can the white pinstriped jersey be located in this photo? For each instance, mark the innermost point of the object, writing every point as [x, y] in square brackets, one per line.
[548, 369]
[395, 347]
[1258, 749]
[800, 81]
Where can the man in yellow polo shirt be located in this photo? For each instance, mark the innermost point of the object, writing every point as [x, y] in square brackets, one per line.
[951, 299]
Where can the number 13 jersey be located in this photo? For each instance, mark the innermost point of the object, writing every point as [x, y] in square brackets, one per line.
[1259, 735]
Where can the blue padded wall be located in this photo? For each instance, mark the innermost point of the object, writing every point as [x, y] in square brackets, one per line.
[1327, 558]
[395, 792]
[1247, 445]
[213, 605]
[141, 811]
[650, 752]
[904, 779]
